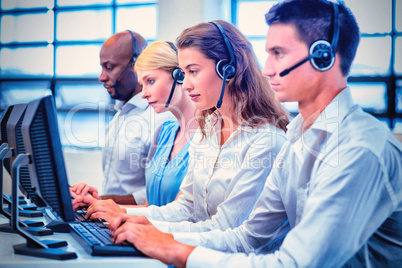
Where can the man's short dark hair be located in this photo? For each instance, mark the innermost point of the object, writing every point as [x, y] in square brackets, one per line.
[313, 20]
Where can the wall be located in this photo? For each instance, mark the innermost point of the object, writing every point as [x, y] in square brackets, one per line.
[84, 166]
[176, 15]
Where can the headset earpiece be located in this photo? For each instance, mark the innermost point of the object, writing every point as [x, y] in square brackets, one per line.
[322, 56]
[223, 67]
[178, 75]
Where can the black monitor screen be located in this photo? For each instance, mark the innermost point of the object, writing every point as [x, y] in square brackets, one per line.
[43, 146]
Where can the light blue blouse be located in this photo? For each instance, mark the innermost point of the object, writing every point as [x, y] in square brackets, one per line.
[164, 177]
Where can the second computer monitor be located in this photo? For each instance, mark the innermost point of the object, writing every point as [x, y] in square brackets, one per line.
[43, 146]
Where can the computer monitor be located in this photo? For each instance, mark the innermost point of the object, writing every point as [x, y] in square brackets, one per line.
[37, 117]
[46, 166]
[3, 134]
[16, 144]
[48, 173]
[12, 143]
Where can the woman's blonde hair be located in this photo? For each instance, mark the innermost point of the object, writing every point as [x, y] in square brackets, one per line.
[158, 55]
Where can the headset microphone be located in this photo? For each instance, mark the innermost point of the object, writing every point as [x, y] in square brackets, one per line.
[177, 74]
[321, 53]
[286, 71]
[118, 77]
[225, 76]
[225, 70]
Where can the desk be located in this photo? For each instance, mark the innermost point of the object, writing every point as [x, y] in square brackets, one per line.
[9, 259]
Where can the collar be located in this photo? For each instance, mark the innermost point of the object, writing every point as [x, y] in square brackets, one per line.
[328, 120]
[335, 112]
[135, 101]
[214, 121]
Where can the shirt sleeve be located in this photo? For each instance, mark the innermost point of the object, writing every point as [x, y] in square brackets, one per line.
[254, 235]
[347, 204]
[140, 196]
[204, 257]
[244, 189]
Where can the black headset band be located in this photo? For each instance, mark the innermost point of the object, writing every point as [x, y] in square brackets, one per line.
[172, 45]
[135, 54]
[335, 34]
[228, 45]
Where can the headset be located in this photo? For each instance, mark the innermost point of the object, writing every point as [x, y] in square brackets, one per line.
[177, 74]
[133, 58]
[224, 68]
[135, 54]
[321, 53]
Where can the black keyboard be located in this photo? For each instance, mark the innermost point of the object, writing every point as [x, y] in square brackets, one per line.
[97, 240]
[80, 215]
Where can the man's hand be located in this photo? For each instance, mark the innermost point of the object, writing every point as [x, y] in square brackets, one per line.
[100, 207]
[83, 189]
[117, 219]
[83, 202]
[153, 243]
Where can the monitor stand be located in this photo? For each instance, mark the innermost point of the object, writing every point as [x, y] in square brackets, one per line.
[33, 247]
[33, 227]
[24, 210]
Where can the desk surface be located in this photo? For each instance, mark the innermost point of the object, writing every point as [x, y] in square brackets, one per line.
[9, 259]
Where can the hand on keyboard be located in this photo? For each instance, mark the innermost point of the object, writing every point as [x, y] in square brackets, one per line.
[101, 207]
[83, 202]
[150, 241]
[83, 189]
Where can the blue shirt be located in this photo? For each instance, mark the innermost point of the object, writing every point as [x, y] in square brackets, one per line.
[343, 206]
[164, 177]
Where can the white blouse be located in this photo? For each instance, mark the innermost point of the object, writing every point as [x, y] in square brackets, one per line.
[223, 182]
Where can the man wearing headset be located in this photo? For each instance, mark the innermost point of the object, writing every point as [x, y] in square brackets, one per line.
[133, 127]
[334, 197]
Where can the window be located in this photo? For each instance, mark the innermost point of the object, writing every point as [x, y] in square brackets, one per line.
[376, 76]
[52, 47]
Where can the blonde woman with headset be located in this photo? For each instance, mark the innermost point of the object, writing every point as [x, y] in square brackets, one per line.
[161, 79]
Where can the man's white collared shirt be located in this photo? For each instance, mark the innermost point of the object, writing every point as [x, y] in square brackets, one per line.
[128, 141]
[336, 200]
